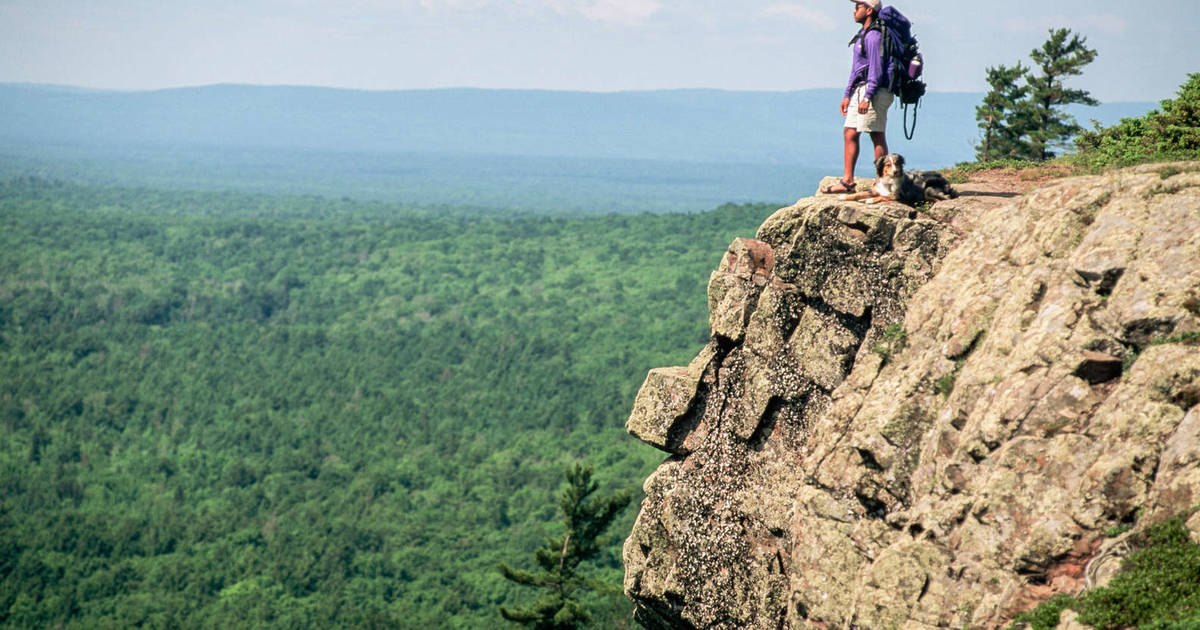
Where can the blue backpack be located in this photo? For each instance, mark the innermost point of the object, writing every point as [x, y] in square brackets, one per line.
[901, 56]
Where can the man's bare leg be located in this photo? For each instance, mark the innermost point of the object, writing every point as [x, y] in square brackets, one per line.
[879, 138]
[850, 152]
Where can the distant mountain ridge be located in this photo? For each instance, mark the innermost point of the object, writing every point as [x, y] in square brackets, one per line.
[98, 130]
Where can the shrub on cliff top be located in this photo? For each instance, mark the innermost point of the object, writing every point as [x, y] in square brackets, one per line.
[1169, 134]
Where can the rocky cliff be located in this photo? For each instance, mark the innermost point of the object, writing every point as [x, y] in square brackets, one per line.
[926, 420]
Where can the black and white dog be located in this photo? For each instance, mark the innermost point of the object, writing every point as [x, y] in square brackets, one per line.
[892, 183]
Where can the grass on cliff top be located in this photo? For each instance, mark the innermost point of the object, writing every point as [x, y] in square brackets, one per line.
[1023, 170]
[1060, 167]
[1158, 588]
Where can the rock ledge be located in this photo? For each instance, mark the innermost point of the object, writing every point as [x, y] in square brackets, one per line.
[828, 471]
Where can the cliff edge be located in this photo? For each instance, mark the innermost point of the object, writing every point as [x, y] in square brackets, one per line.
[927, 420]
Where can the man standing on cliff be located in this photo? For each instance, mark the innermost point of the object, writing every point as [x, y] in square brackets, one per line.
[867, 98]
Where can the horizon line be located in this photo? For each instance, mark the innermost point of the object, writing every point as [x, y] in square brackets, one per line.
[452, 88]
[65, 87]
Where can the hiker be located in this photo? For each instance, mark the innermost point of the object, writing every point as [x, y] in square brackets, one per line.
[867, 98]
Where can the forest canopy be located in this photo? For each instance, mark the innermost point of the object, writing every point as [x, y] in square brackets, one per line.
[226, 410]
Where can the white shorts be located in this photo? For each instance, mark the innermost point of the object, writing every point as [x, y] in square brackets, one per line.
[876, 117]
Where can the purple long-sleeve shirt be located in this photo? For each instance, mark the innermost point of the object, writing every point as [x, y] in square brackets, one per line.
[867, 65]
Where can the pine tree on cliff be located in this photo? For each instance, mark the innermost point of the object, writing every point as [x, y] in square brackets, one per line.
[1057, 58]
[999, 114]
[1027, 121]
[585, 520]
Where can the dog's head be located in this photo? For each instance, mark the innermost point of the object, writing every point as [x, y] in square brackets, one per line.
[890, 165]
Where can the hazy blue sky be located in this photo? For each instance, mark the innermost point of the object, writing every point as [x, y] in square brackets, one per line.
[1146, 50]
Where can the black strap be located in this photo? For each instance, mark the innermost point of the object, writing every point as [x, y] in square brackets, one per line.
[908, 135]
[862, 32]
[887, 53]
[887, 50]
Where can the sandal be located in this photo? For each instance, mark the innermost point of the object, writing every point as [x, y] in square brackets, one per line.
[846, 187]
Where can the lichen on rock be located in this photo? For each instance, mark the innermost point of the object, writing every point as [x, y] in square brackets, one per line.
[1046, 393]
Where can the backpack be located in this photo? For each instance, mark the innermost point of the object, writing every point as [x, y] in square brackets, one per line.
[907, 63]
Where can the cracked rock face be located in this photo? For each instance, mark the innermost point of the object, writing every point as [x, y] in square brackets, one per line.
[899, 424]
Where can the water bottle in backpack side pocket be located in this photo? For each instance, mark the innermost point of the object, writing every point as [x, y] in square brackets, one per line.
[915, 66]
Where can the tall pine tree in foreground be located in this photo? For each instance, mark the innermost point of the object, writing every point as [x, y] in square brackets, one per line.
[1028, 121]
[585, 519]
[1058, 58]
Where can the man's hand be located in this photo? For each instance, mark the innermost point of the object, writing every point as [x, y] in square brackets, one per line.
[845, 106]
[863, 106]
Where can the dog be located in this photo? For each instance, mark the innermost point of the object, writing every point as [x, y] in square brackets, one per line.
[892, 183]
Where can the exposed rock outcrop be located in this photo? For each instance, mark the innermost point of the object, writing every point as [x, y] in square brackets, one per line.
[926, 421]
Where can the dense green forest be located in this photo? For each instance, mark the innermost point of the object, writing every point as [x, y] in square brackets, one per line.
[226, 410]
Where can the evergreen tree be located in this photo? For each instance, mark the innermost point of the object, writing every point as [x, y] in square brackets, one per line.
[1027, 121]
[585, 519]
[999, 114]
[1058, 58]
